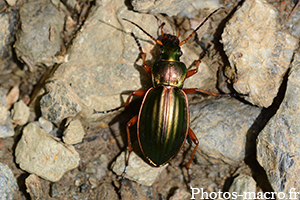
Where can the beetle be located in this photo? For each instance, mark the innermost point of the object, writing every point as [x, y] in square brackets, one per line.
[163, 119]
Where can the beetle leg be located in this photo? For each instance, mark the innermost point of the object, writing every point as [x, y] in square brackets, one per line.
[196, 142]
[191, 72]
[138, 93]
[129, 124]
[143, 55]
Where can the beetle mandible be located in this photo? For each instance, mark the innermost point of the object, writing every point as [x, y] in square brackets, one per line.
[163, 119]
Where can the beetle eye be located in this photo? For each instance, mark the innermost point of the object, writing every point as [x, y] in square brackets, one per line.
[180, 53]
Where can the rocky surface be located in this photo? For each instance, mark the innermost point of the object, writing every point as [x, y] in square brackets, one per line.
[99, 64]
[74, 132]
[6, 126]
[8, 23]
[243, 187]
[37, 152]
[47, 22]
[278, 143]
[258, 50]
[138, 170]
[59, 103]
[8, 183]
[20, 113]
[224, 128]
[34, 187]
[169, 7]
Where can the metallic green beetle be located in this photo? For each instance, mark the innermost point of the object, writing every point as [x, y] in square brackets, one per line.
[163, 119]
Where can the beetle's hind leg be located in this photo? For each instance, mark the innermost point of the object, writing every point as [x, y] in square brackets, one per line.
[143, 55]
[131, 122]
[187, 166]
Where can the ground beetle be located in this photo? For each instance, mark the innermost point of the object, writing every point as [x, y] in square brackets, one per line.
[163, 119]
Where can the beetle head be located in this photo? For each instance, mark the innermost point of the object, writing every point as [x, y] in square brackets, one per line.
[170, 50]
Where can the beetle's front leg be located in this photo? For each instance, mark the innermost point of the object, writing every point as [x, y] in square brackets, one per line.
[196, 142]
[139, 93]
[191, 72]
[129, 124]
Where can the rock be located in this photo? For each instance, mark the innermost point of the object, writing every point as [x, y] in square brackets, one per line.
[39, 38]
[243, 187]
[258, 50]
[20, 113]
[8, 183]
[138, 170]
[180, 194]
[6, 126]
[294, 24]
[223, 127]
[3, 114]
[97, 169]
[168, 7]
[11, 2]
[34, 187]
[74, 132]
[37, 152]
[106, 191]
[59, 103]
[195, 7]
[8, 23]
[103, 66]
[45, 124]
[131, 190]
[3, 93]
[279, 142]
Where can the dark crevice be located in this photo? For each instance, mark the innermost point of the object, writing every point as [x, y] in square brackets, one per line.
[261, 121]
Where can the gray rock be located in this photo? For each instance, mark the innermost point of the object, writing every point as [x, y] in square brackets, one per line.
[74, 132]
[59, 103]
[3, 93]
[8, 23]
[37, 152]
[195, 7]
[20, 113]
[294, 24]
[258, 50]
[45, 124]
[39, 38]
[138, 170]
[279, 142]
[6, 126]
[34, 187]
[223, 127]
[243, 187]
[168, 7]
[8, 183]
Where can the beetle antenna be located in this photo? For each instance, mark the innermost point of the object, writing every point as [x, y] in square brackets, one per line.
[184, 41]
[157, 41]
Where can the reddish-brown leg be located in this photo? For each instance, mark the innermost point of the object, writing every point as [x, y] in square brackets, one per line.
[191, 72]
[139, 93]
[129, 124]
[196, 142]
